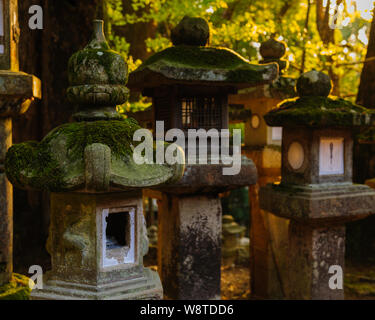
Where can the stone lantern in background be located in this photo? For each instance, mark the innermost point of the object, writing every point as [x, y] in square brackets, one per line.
[189, 84]
[17, 91]
[97, 236]
[262, 144]
[316, 191]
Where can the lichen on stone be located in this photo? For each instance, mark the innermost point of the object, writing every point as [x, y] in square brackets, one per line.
[318, 111]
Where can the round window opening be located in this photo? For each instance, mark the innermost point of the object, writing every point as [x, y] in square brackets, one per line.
[255, 121]
[296, 155]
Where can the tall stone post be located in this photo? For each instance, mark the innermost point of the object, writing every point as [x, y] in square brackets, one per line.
[17, 90]
[316, 192]
[190, 248]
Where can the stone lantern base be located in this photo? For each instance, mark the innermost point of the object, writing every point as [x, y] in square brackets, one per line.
[146, 287]
[316, 233]
[97, 243]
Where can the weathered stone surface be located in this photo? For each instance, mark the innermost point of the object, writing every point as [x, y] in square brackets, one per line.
[338, 203]
[314, 83]
[272, 49]
[190, 249]
[192, 32]
[209, 178]
[76, 247]
[17, 91]
[311, 253]
[97, 77]
[97, 167]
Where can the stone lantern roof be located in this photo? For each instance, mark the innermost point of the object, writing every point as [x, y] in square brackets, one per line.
[314, 107]
[192, 61]
[94, 154]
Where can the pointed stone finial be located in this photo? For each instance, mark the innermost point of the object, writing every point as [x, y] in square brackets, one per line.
[314, 83]
[191, 31]
[272, 51]
[97, 77]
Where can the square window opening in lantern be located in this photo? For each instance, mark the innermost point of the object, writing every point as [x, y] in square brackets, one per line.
[201, 113]
[118, 237]
[116, 230]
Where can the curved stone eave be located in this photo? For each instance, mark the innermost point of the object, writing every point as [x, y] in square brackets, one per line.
[325, 121]
[150, 77]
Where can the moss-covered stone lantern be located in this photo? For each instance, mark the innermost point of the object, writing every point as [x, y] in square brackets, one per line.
[189, 82]
[97, 236]
[316, 191]
[189, 85]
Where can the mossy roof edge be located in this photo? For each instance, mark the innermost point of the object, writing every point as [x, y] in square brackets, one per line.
[207, 64]
[316, 111]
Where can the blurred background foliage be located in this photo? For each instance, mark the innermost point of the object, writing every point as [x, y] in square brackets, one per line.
[328, 35]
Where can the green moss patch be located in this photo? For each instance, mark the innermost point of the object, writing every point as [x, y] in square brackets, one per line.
[207, 58]
[116, 134]
[31, 164]
[17, 289]
[34, 165]
[319, 112]
[81, 63]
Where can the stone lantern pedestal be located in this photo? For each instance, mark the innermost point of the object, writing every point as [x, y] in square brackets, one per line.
[189, 84]
[97, 236]
[316, 191]
[190, 218]
[97, 243]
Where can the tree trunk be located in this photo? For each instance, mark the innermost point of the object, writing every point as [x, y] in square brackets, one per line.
[327, 35]
[136, 34]
[366, 91]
